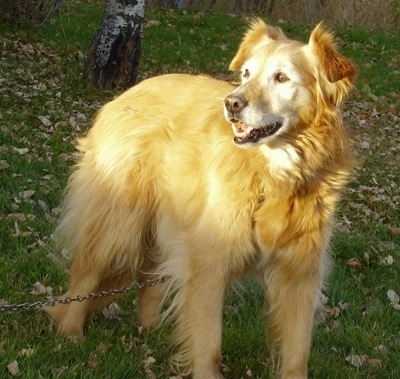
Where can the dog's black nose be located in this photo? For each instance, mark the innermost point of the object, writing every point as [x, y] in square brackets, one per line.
[234, 103]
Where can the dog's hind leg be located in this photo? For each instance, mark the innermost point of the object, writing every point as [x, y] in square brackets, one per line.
[84, 279]
[150, 298]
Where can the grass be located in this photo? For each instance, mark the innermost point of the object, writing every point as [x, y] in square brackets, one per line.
[44, 106]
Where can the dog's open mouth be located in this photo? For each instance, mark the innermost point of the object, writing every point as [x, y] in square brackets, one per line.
[245, 134]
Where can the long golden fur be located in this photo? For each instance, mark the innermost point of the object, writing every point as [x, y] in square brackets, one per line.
[192, 178]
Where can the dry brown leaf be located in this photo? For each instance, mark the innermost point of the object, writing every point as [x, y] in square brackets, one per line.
[356, 360]
[45, 121]
[26, 352]
[381, 348]
[394, 299]
[335, 312]
[43, 205]
[112, 312]
[22, 151]
[129, 343]
[148, 362]
[60, 370]
[40, 289]
[93, 364]
[343, 305]
[57, 348]
[249, 374]
[374, 363]
[13, 368]
[4, 164]
[389, 260]
[27, 194]
[354, 262]
[16, 229]
[104, 347]
[153, 23]
[393, 296]
[65, 157]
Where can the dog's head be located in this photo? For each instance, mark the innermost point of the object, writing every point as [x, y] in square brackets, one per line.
[285, 83]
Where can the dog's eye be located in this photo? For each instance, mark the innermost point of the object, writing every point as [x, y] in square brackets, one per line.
[281, 77]
[246, 74]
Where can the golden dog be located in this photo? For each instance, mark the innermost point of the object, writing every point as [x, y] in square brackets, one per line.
[164, 188]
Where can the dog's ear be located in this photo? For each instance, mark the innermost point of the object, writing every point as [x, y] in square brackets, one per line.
[257, 33]
[339, 72]
[334, 65]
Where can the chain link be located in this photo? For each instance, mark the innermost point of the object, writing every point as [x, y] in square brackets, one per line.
[79, 298]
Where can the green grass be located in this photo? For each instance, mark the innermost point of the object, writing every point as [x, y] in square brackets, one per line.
[41, 76]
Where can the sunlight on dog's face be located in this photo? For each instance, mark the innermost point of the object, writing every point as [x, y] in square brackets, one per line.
[274, 94]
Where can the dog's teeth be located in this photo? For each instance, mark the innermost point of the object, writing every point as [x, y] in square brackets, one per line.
[246, 133]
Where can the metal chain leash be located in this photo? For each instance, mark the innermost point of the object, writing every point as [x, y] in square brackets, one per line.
[79, 298]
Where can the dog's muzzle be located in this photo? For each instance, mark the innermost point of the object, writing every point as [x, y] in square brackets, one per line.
[243, 132]
[234, 105]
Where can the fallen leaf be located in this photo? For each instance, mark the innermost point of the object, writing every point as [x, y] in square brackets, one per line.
[112, 312]
[4, 165]
[148, 362]
[43, 205]
[396, 306]
[21, 151]
[57, 348]
[393, 297]
[17, 216]
[60, 370]
[389, 260]
[26, 352]
[335, 312]
[13, 368]
[153, 23]
[249, 374]
[140, 330]
[372, 362]
[40, 289]
[17, 230]
[354, 262]
[381, 348]
[93, 364]
[44, 120]
[64, 157]
[355, 360]
[129, 343]
[150, 374]
[104, 347]
[27, 194]
[343, 305]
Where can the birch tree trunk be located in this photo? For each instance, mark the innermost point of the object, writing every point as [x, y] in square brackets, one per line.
[114, 54]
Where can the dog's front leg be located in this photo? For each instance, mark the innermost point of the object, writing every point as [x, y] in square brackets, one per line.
[293, 282]
[199, 319]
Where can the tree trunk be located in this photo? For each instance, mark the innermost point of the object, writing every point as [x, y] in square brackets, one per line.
[114, 54]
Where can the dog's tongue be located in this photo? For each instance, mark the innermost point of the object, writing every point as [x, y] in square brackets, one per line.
[241, 130]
